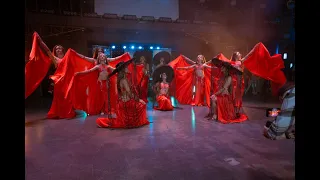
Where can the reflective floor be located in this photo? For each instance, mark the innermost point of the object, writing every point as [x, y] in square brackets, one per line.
[177, 145]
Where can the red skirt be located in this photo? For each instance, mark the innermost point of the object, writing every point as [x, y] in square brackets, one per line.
[164, 103]
[130, 114]
[144, 89]
[238, 91]
[225, 110]
[97, 101]
[199, 94]
[61, 108]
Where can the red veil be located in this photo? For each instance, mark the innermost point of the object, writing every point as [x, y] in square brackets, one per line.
[184, 79]
[37, 67]
[261, 64]
[78, 85]
[71, 63]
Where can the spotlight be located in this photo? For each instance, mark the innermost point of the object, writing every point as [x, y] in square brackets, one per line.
[151, 47]
[291, 65]
[124, 47]
[113, 47]
[132, 47]
[158, 47]
[140, 47]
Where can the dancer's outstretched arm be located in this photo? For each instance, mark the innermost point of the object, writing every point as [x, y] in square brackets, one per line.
[189, 60]
[116, 58]
[87, 58]
[252, 50]
[225, 86]
[187, 67]
[55, 60]
[88, 71]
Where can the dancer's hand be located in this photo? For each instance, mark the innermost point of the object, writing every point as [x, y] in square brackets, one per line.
[213, 97]
[142, 101]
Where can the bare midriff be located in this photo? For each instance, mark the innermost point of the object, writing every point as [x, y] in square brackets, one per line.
[124, 97]
[199, 71]
[145, 71]
[58, 60]
[164, 87]
[103, 75]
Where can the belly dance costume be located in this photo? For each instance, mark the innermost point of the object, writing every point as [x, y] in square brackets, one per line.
[163, 100]
[199, 88]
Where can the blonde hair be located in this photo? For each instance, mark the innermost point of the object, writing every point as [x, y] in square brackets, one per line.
[203, 58]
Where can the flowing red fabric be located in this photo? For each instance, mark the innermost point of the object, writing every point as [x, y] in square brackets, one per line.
[226, 112]
[221, 57]
[130, 114]
[37, 67]
[144, 89]
[78, 89]
[98, 98]
[183, 80]
[164, 103]
[208, 72]
[199, 91]
[124, 57]
[261, 64]
[139, 80]
[237, 89]
[62, 107]
[96, 101]
[212, 74]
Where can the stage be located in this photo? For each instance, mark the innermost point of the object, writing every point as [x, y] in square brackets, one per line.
[180, 144]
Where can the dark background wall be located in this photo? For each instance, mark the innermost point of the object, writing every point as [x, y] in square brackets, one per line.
[237, 26]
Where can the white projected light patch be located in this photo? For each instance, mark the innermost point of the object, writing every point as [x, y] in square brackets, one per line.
[285, 55]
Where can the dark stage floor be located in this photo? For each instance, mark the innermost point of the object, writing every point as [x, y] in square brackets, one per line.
[177, 145]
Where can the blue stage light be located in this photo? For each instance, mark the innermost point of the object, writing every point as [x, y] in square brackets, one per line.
[113, 47]
[124, 47]
[132, 47]
[151, 47]
[140, 47]
[158, 47]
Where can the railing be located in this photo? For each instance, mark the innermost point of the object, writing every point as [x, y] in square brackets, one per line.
[125, 17]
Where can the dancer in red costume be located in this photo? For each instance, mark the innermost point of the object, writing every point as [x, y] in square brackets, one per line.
[99, 51]
[131, 111]
[40, 60]
[143, 80]
[161, 87]
[199, 80]
[98, 94]
[37, 68]
[96, 98]
[58, 53]
[237, 82]
[237, 79]
[62, 107]
[260, 63]
[163, 99]
[222, 106]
